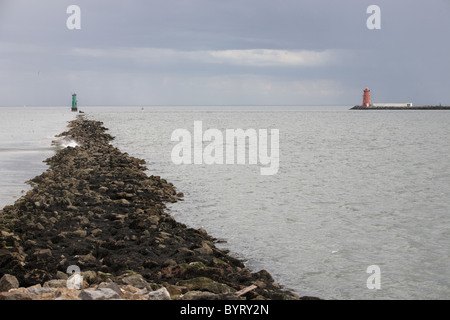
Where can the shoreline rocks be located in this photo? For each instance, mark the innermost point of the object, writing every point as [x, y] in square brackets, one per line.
[96, 209]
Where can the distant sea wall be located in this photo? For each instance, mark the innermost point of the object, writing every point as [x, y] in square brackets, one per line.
[402, 108]
[95, 208]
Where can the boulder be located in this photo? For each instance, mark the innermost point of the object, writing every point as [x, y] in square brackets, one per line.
[17, 294]
[205, 284]
[8, 282]
[137, 281]
[99, 294]
[110, 285]
[160, 294]
[56, 283]
[199, 295]
[79, 233]
[67, 294]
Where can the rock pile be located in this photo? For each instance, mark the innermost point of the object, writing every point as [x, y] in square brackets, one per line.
[128, 287]
[96, 209]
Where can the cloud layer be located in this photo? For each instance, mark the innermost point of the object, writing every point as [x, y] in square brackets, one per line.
[223, 52]
[247, 57]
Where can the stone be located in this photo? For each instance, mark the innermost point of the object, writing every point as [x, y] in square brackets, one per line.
[199, 295]
[185, 251]
[132, 293]
[61, 275]
[136, 281]
[168, 262]
[124, 202]
[6, 234]
[160, 294]
[175, 290]
[205, 249]
[38, 290]
[264, 276]
[43, 253]
[102, 276]
[8, 282]
[17, 294]
[79, 233]
[36, 276]
[110, 285]
[89, 276]
[96, 232]
[154, 219]
[67, 294]
[56, 283]
[260, 284]
[99, 294]
[205, 284]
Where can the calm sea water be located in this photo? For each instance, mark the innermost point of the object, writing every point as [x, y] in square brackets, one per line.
[354, 189]
[26, 136]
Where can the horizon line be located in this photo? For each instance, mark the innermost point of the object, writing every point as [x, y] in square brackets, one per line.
[188, 105]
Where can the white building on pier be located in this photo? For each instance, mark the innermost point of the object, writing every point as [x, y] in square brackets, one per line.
[392, 104]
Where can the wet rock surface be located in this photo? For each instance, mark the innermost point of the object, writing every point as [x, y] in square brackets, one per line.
[97, 209]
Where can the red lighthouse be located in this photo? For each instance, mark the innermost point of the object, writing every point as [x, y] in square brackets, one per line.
[366, 98]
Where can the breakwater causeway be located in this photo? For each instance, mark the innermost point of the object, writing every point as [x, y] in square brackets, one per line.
[96, 209]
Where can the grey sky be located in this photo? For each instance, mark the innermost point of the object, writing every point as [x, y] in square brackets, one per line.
[216, 52]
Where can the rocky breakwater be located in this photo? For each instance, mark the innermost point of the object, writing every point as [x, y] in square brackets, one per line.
[95, 208]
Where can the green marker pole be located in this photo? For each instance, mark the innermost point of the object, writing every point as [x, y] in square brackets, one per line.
[74, 103]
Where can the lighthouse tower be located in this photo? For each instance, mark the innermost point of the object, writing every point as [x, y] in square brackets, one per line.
[366, 98]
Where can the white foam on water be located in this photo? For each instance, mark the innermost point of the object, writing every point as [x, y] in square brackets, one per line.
[65, 142]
